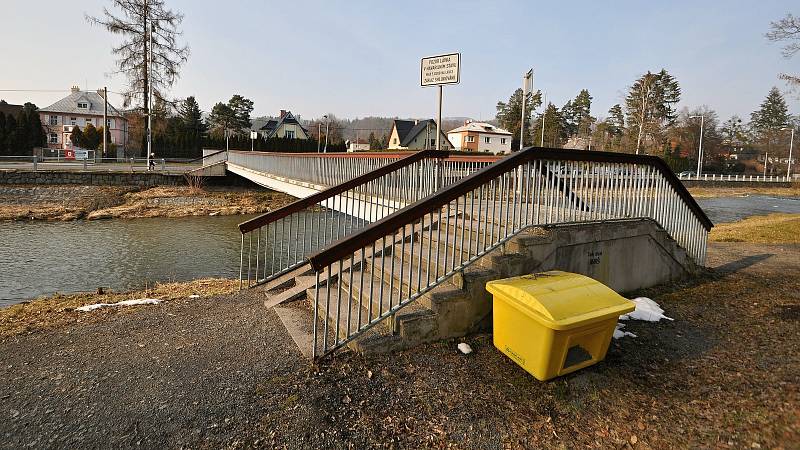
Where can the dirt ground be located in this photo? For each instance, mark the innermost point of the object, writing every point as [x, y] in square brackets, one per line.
[108, 202]
[220, 372]
[733, 191]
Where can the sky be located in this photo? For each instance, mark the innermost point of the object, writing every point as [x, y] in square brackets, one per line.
[361, 58]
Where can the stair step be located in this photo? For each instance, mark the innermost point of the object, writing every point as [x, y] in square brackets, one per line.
[302, 283]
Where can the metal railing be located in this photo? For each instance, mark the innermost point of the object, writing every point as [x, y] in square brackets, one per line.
[736, 177]
[39, 163]
[369, 275]
[280, 241]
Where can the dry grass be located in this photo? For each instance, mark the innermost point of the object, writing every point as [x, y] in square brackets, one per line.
[59, 309]
[710, 192]
[770, 229]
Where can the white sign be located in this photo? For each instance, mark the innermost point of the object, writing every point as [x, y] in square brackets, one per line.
[81, 153]
[254, 135]
[442, 69]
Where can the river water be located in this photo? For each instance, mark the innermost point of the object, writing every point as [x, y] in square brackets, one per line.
[38, 258]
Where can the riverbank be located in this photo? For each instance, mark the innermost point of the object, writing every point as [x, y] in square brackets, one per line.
[68, 202]
[220, 371]
[776, 228]
[734, 191]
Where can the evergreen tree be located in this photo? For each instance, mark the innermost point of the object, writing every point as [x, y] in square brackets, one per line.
[2, 133]
[650, 107]
[581, 112]
[509, 115]
[192, 126]
[554, 132]
[91, 138]
[374, 143]
[36, 136]
[221, 119]
[767, 121]
[615, 121]
[241, 107]
[76, 137]
[11, 135]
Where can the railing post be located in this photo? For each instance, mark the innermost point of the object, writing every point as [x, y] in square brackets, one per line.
[84, 163]
[163, 165]
[35, 162]
[131, 165]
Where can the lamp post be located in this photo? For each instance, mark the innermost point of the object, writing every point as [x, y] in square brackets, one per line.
[327, 127]
[700, 149]
[791, 144]
[544, 114]
[527, 87]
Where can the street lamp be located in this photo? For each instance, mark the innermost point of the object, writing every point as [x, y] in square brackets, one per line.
[700, 150]
[327, 127]
[791, 144]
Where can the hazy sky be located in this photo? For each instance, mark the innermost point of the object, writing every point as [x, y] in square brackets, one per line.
[361, 58]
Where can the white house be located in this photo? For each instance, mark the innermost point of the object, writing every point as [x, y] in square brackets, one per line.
[285, 126]
[416, 135]
[357, 146]
[480, 137]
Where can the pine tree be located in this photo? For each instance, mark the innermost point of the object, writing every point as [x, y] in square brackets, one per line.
[36, 135]
[193, 127]
[554, 132]
[91, 138]
[509, 115]
[76, 137]
[650, 107]
[581, 113]
[615, 120]
[767, 121]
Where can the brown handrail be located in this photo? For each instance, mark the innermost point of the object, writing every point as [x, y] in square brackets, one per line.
[313, 199]
[410, 214]
[206, 156]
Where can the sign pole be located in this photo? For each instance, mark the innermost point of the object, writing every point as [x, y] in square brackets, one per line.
[439, 122]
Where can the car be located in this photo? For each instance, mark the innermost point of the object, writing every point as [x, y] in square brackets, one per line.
[685, 173]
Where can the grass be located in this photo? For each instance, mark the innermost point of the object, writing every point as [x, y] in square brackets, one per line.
[59, 309]
[734, 191]
[770, 229]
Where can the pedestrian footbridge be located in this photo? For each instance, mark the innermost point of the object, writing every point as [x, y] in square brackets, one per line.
[394, 249]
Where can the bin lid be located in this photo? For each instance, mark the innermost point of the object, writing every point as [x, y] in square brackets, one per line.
[561, 300]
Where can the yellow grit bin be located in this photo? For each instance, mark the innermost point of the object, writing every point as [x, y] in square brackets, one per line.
[554, 323]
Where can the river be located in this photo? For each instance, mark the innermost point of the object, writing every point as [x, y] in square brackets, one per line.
[38, 258]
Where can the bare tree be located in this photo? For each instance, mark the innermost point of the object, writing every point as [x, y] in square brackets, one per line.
[136, 21]
[787, 30]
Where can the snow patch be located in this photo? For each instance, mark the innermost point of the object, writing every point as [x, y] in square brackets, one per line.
[141, 301]
[646, 309]
[464, 348]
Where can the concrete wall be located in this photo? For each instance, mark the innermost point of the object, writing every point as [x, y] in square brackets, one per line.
[89, 178]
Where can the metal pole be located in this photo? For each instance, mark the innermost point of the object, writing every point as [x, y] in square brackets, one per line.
[528, 75]
[766, 159]
[544, 114]
[439, 122]
[700, 150]
[105, 122]
[150, 94]
[789, 166]
[327, 128]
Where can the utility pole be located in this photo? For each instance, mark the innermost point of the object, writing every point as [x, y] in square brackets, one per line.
[319, 134]
[527, 81]
[149, 92]
[766, 161]
[791, 144]
[105, 121]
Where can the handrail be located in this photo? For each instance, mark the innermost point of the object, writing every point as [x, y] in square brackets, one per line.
[313, 199]
[205, 156]
[418, 210]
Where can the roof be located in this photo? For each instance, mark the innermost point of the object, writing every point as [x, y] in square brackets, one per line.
[403, 127]
[272, 125]
[69, 104]
[480, 127]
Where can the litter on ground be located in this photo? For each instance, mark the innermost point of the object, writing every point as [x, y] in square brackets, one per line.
[141, 301]
[465, 348]
[646, 309]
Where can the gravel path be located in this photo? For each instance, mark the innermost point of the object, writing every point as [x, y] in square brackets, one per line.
[221, 372]
[181, 373]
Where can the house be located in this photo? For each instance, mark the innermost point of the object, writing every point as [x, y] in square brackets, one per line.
[359, 145]
[480, 137]
[416, 135]
[79, 109]
[285, 126]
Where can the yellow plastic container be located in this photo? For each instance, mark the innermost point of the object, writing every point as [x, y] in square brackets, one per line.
[554, 323]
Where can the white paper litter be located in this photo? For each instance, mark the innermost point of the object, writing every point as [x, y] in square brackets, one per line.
[465, 348]
[141, 301]
[646, 309]
[194, 296]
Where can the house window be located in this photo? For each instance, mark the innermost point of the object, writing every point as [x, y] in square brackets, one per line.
[394, 141]
[289, 134]
[470, 138]
[83, 105]
[88, 121]
[503, 141]
[433, 143]
[108, 123]
[53, 138]
[73, 120]
[487, 140]
[53, 120]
